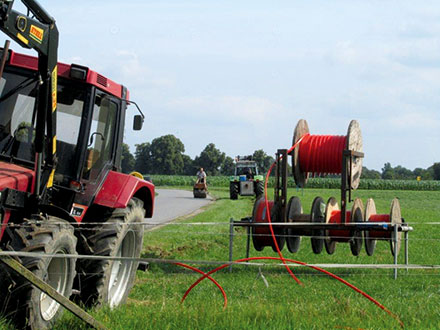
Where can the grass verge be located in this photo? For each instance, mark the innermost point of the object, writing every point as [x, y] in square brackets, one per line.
[279, 303]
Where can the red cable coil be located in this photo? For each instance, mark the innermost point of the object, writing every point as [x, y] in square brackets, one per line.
[379, 218]
[339, 235]
[322, 154]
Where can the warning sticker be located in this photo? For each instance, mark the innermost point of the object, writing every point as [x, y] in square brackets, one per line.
[36, 33]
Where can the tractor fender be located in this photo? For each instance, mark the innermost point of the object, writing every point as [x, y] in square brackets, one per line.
[119, 188]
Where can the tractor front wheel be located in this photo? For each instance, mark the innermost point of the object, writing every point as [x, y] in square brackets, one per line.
[108, 282]
[233, 190]
[25, 304]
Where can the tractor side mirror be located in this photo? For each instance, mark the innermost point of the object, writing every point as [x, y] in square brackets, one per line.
[138, 121]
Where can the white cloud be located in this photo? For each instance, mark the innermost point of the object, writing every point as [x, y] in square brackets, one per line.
[238, 109]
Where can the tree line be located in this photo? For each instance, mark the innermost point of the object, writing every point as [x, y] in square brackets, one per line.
[166, 155]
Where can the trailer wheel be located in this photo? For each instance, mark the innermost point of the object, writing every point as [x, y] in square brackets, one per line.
[233, 190]
[108, 282]
[25, 304]
[259, 189]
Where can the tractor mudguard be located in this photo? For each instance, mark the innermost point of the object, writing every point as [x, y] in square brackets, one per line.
[119, 188]
[16, 177]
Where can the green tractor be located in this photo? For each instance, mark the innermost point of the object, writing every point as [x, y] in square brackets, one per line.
[246, 181]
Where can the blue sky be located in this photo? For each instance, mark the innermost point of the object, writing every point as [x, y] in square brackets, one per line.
[241, 74]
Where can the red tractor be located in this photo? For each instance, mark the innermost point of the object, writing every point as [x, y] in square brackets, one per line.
[62, 193]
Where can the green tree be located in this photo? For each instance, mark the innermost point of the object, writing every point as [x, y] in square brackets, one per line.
[370, 174]
[188, 166]
[263, 160]
[167, 155]
[388, 172]
[402, 173]
[143, 158]
[228, 166]
[127, 159]
[425, 174]
[436, 171]
[211, 159]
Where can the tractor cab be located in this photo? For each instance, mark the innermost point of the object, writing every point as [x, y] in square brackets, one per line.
[90, 123]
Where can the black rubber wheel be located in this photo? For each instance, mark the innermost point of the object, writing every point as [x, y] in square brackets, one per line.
[293, 238]
[27, 306]
[233, 190]
[107, 282]
[330, 245]
[280, 233]
[357, 215]
[259, 189]
[317, 215]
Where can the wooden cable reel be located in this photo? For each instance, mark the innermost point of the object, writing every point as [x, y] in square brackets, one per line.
[322, 154]
[261, 235]
[394, 217]
[295, 214]
[333, 215]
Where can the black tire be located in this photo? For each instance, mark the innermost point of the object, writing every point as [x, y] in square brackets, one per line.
[259, 189]
[233, 190]
[317, 215]
[120, 235]
[280, 233]
[293, 237]
[27, 306]
[330, 246]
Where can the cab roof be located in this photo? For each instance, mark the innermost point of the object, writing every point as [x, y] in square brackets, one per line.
[92, 78]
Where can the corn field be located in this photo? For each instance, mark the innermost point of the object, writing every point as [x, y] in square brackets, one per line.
[330, 183]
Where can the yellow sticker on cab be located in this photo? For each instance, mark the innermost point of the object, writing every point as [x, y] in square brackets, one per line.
[36, 33]
[54, 88]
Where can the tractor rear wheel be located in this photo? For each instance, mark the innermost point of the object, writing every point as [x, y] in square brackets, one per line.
[108, 282]
[25, 304]
[259, 189]
[233, 190]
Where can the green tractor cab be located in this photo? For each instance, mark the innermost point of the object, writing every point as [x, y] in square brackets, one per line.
[246, 180]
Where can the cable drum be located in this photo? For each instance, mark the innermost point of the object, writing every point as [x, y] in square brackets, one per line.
[261, 235]
[295, 214]
[333, 215]
[394, 217]
[322, 154]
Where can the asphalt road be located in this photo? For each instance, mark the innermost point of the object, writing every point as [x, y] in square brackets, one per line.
[171, 204]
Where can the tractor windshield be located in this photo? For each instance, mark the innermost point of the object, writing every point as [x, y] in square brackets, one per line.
[18, 117]
[246, 168]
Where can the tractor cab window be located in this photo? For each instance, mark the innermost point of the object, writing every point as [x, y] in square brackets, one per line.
[17, 115]
[69, 115]
[101, 137]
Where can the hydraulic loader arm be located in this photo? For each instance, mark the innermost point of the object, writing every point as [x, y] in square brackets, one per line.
[38, 32]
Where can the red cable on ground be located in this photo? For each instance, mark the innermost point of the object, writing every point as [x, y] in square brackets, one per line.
[322, 153]
[303, 264]
[225, 298]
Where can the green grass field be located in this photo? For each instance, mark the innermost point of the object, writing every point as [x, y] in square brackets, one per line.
[321, 303]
